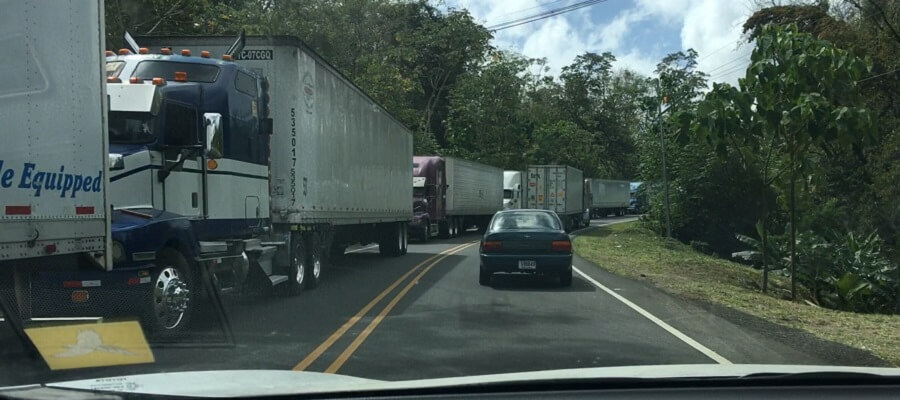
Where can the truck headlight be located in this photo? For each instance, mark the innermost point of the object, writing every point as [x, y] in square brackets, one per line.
[118, 252]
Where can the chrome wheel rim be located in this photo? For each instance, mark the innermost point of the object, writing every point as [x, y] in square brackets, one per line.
[299, 270]
[317, 266]
[171, 297]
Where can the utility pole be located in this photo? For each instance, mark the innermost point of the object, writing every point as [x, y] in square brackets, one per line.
[665, 176]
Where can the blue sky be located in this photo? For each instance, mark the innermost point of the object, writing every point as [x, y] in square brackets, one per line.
[638, 32]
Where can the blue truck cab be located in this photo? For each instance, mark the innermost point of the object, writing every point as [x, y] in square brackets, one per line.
[189, 188]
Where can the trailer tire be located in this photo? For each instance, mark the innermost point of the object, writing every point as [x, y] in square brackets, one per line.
[454, 227]
[391, 243]
[426, 234]
[405, 235]
[315, 263]
[297, 267]
[173, 297]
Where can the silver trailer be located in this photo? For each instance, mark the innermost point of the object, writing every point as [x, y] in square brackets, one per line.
[558, 188]
[475, 190]
[610, 197]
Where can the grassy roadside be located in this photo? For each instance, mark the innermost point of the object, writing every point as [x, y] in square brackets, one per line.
[632, 251]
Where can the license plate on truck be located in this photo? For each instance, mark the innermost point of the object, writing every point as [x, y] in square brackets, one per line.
[527, 264]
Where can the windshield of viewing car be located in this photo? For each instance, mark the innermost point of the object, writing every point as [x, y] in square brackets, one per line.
[524, 220]
[413, 189]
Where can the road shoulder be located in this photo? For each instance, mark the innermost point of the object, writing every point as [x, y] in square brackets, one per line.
[736, 335]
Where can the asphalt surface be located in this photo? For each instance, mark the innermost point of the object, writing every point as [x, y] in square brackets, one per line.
[424, 315]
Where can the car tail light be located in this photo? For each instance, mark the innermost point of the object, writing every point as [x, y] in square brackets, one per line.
[489, 246]
[561, 245]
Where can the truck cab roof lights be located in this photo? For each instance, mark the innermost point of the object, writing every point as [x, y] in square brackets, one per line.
[180, 76]
[113, 79]
[204, 54]
[109, 53]
[135, 79]
[227, 57]
[124, 52]
[186, 52]
[159, 81]
[143, 50]
[165, 51]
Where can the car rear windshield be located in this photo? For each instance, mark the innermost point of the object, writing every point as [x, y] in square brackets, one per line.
[147, 70]
[524, 220]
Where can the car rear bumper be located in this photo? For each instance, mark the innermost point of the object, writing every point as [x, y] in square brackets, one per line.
[545, 263]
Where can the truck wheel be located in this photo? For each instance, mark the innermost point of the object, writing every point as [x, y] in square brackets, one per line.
[427, 233]
[297, 272]
[454, 227]
[444, 229]
[172, 301]
[391, 243]
[315, 263]
[405, 235]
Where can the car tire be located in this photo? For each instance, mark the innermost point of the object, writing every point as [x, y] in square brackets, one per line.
[173, 282]
[565, 279]
[484, 277]
[297, 267]
[315, 263]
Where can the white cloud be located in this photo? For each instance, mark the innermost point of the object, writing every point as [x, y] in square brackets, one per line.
[712, 27]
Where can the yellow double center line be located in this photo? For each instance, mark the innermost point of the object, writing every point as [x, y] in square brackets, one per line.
[345, 355]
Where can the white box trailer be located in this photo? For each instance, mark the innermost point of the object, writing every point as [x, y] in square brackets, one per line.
[558, 188]
[53, 157]
[610, 197]
[474, 190]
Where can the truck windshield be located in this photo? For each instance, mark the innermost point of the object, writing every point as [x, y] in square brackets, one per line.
[147, 70]
[130, 127]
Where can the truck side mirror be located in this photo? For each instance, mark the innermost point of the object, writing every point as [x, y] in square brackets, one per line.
[214, 146]
[265, 126]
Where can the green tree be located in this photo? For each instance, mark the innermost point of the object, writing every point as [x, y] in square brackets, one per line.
[798, 93]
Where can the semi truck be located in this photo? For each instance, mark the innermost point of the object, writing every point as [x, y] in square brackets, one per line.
[54, 212]
[513, 189]
[277, 159]
[234, 172]
[451, 194]
[557, 188]
[610, 197]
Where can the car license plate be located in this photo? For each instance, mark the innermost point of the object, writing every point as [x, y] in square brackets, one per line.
[527, 264]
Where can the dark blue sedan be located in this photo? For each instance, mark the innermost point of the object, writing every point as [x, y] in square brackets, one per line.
[526, 241]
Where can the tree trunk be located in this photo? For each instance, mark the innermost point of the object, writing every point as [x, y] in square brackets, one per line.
[765, 254]
[793, 207]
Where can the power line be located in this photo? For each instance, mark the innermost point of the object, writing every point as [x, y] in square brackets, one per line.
[537, 7]
[728, 64]
[543, 15]
[714, 51]
[878, 76]
[723, 74]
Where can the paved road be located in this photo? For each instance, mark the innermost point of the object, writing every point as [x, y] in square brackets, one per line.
[424, 315]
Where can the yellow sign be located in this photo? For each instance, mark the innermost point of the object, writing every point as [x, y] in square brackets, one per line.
[91, 344]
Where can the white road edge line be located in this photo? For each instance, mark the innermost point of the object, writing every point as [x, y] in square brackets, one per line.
[362, 249]
[675, 332]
